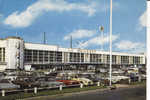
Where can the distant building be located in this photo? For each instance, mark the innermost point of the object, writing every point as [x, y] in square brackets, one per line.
[15, 53]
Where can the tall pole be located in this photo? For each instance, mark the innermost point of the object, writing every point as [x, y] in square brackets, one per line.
[44, 38]
[148, 49]
[102, 36]
[110, 69]
[71, 41]
[16, 34]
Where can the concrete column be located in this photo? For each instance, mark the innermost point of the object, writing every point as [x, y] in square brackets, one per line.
[63, 57]
[60, 87]
[85, 54]
[129, 80]
[98, 83]
[81, 85]
[35, 90]
[68, 57]
[3, 93]
[139, 79]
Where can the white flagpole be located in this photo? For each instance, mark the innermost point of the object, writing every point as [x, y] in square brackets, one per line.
[110, 69]
[102, 36]
[148, 50]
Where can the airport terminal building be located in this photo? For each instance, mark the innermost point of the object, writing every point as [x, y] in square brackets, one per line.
[15, 53]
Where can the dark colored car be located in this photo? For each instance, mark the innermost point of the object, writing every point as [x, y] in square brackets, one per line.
[134, 77]
[69, 82]
[26, 82]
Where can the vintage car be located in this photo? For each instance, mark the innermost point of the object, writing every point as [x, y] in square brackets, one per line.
[7, 84]
[51, 83]
[117, 79]
[85, 81]
[69, 82]
[134, 70]
[134, 77]
[26, 82]
[91, 77]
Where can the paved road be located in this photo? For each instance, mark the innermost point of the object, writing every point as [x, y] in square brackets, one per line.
[134, 93]
[138, 93]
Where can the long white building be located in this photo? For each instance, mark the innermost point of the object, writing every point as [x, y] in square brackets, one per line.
[15, 53]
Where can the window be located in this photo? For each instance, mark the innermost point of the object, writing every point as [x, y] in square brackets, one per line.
[136, 60]
[35, 55]
[113, 59]
[28, 55]
[124, 59]
[1, 55]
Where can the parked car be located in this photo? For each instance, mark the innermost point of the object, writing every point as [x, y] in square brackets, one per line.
[134, 70]
[51, 83]
[117, 79]
[25, 82]
[91, 77]
[10, 77]
[85, 81]
[69, 82]
[7, 84]
[134, 77]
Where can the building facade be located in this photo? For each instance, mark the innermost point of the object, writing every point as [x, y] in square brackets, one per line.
[15, 53]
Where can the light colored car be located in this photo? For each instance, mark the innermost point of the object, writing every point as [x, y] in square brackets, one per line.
[133, 70]
[116, 79]
[6, 84]
[85, 81]
[51, 84]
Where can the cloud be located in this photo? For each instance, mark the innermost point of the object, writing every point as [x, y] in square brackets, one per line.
[1, 15]
[1, 18]
[116, 5]
[97, 41]
[81, 33]
[142, 21]
[130, 46]
[25, 18]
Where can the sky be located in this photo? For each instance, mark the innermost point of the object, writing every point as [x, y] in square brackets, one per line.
[81, 19]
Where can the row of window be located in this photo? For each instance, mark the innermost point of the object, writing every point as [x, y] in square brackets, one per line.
[76, 57]
[42, 56]
[56, 56]
[2, 54]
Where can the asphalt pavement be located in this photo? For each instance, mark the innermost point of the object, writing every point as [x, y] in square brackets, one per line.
[138, 93]
[124, 93]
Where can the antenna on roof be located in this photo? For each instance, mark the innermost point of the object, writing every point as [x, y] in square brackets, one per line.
[71, 41]
[16, 34]
[44, 38]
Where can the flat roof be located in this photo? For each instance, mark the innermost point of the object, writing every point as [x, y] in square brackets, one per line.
[38, 46]
[14, 37]
[47, 47]
[11, 37]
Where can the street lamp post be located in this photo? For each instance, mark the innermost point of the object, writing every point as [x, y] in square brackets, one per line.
[110, 69]
[148, 49]
[102, 35]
